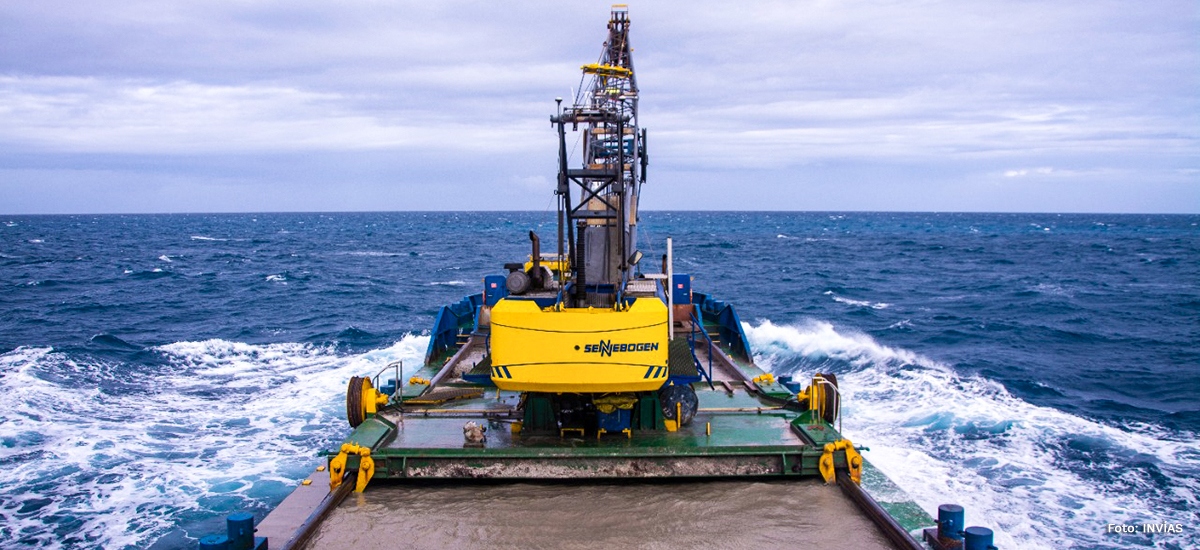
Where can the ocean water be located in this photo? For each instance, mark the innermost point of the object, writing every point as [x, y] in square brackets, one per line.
[158, 372]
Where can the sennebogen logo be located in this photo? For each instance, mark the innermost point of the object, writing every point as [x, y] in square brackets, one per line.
[607, 348]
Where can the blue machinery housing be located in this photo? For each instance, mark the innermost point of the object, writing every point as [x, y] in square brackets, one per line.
[452, 320]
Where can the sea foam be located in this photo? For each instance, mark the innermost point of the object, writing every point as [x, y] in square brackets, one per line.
[222, 426]
[946, 437]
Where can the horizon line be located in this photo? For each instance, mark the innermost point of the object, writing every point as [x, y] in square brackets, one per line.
[265, 212]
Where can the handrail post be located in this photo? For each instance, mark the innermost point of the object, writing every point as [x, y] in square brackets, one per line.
[710, 369]
[670, 292]
[696, 322]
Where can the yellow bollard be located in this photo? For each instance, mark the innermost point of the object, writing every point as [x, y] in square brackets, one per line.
[337, 468]
[825, 465]
[366, 470]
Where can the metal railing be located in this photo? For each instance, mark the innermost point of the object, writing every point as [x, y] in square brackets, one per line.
[825, 385]
[692, 345]
[399, 367]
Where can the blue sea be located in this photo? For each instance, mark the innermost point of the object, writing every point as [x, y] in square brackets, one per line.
[160, 371]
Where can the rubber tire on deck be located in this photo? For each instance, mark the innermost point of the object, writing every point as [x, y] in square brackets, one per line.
[355, 412]
[685, 396]
[829, 407]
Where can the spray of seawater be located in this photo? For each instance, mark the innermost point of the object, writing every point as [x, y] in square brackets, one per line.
[100, 454]
[1040, 477]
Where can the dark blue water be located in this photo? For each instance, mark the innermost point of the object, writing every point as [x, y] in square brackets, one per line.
[157, 372]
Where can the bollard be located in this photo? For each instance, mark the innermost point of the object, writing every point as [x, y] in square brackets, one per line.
[948, 535]
[214, 542]
[978, 538]
[950, 522]
[241, 531]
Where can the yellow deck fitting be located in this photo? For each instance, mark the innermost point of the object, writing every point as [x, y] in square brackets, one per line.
[628, 433]
[671, 425]
[516, 427]
[853, 461]
[563, 432]
[372, 398]
[320, 468]
[764, 379]
[825, 465]
[708, 428]
[306, 482]
[337, 467]
[366, 469]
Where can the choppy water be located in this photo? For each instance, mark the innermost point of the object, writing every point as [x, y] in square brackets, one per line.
[158, 372]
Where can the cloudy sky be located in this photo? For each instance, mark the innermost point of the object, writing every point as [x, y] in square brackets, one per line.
[921, 105]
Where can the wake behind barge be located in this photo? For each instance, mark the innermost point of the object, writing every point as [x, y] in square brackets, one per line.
[584, 364]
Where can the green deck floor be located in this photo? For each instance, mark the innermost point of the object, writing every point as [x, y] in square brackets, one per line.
[729, 428]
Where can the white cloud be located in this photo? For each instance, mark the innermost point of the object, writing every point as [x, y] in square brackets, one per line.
[961, 90]
[96, 115]
[1027, 171]
[533, 183]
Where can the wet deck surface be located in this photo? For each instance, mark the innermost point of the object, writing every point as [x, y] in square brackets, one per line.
[715, 514]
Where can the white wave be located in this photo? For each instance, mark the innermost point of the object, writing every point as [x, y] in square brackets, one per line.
[820, 341]
[203, 238]
[902, 324]
[950, 438]
[228, 421]
[859, 303]
[165, 258]
[448, 283]
[1052, 289]
[375, 254]
[277, 279]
